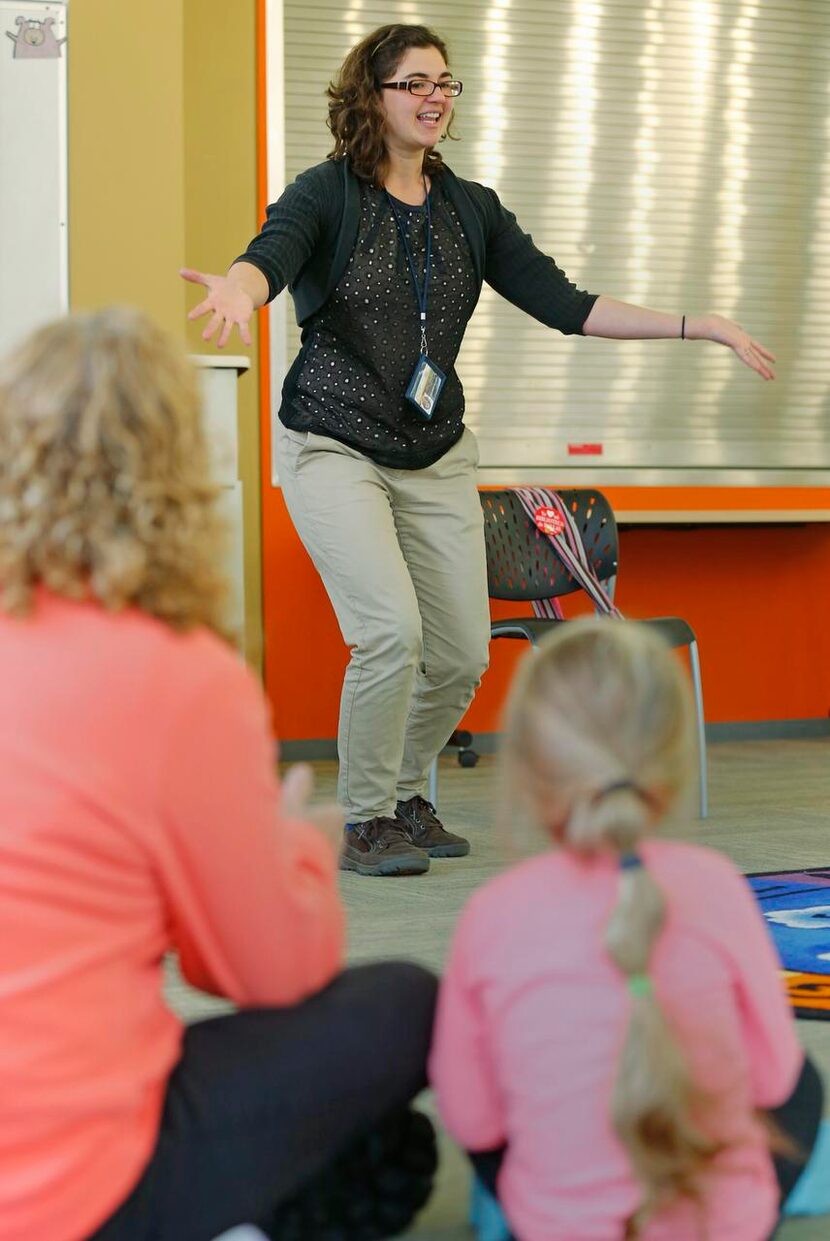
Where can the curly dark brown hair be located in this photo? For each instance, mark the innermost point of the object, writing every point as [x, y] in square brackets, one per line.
[356, 116]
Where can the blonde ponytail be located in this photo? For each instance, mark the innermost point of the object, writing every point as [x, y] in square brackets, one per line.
[654, 1097]
[598, 747]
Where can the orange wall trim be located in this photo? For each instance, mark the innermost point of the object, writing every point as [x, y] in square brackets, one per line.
[719, 499]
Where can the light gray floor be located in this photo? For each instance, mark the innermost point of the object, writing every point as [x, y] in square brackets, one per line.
[770, 808]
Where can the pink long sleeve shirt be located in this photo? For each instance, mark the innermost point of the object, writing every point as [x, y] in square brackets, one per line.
[139, 812]
[531, 1021]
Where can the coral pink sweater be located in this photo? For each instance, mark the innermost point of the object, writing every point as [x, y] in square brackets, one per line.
[139, 812]
[531, 1020]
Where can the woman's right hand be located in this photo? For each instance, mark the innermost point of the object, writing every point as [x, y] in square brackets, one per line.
[228, 305]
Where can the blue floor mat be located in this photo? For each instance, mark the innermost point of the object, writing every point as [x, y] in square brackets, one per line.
[796, 908]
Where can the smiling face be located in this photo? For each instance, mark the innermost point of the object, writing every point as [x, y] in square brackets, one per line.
[416, 122]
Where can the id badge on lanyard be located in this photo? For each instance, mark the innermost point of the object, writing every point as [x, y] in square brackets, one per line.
[424, 388]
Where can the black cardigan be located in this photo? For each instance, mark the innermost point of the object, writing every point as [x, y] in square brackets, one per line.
[310, 232]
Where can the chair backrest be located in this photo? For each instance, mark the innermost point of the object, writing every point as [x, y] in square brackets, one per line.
[521, 563]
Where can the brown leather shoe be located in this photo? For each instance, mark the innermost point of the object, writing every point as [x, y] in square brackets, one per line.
[381, 846]
[424, 829]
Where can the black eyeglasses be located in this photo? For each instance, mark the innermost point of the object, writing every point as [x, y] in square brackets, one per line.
[420, 86]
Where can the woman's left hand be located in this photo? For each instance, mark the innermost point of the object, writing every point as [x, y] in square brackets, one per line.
[724, 332]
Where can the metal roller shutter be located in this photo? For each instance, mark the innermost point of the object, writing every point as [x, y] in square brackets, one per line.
[674, 153]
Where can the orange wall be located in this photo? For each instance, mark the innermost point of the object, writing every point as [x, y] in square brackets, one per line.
[758, 598]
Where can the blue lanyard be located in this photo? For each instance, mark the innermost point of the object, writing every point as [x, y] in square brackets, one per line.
[421, 291]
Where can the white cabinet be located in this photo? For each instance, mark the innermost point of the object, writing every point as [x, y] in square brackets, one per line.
[219, 378]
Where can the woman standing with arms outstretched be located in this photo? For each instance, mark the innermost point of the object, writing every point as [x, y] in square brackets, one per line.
[385, 251]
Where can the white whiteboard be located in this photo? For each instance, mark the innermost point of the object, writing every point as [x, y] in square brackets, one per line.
[33, 211]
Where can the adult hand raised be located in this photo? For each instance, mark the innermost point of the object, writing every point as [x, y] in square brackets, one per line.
[226, 302]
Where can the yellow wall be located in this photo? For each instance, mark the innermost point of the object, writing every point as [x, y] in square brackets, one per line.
[126, 174]
[162, 174]
[221, 216]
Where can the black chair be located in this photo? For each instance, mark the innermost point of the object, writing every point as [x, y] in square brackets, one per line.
[522, 565]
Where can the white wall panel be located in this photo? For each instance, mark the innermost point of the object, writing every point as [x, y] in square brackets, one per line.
[33, 214]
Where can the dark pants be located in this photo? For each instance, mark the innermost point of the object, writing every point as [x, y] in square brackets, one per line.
[798, 1119]
[265, 1101]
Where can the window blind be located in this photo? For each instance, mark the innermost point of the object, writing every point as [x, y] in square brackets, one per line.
[674, 153]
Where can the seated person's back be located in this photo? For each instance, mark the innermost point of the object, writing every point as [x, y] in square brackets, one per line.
[140, 814]
[612, 1012]
[137, 815]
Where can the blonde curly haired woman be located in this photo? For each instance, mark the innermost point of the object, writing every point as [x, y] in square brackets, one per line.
[139, 814]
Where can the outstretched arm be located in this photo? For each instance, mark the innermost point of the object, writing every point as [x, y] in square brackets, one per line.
[293, 227]
[230, 300]
[622, 321]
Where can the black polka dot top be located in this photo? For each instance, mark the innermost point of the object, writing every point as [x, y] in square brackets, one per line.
[362, 347]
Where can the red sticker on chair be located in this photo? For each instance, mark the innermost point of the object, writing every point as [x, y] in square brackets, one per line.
[549, 520]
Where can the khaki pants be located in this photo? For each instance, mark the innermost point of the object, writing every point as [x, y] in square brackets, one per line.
[401, 555]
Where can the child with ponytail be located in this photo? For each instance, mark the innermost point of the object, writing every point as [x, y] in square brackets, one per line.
[612, 1023]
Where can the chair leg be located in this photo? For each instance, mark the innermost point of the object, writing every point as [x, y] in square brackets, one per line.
[694, 660]
[432, 786]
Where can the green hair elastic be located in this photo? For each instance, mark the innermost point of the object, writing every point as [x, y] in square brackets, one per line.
[639, 985]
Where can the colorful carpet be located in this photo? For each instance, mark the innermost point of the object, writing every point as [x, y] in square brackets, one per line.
[796, 906]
